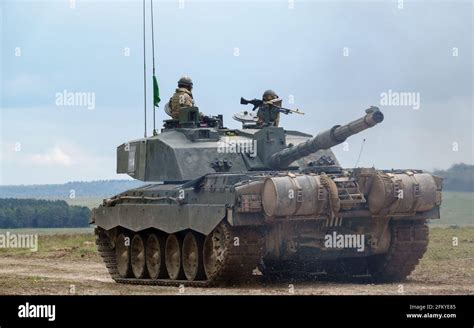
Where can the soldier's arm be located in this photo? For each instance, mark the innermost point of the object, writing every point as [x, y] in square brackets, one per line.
[188, 101]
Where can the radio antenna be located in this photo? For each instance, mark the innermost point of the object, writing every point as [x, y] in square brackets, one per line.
[360, 152]
[144, 64]
[154, 78]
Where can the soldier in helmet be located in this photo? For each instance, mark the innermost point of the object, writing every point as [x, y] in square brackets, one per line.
[267, 115]
[181, 98]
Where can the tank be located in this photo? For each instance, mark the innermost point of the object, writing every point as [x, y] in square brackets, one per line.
[226, 205]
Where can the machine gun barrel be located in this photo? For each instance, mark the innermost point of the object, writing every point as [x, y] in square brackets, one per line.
[325, 140]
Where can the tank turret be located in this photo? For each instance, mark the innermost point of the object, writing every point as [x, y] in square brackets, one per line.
[325, 140]
[192, 147]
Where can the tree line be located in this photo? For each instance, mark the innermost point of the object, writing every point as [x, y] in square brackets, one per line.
[38, 213]
[459, 177]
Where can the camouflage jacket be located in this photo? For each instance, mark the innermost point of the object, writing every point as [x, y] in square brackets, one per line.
[181, 98]
[266, 116]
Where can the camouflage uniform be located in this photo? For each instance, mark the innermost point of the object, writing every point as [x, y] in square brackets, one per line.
[181, 98]
[266, 113]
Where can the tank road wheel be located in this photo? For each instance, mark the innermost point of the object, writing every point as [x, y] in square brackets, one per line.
[122, 255]
[137, 256]
[173, 257]
[155, 256]
[215, 250]
[192, 256]
[407, 246]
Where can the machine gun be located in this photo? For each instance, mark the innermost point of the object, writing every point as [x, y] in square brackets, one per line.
[258, 103]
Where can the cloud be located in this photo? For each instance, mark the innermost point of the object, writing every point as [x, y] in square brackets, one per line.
[54, 157]
[46, 163]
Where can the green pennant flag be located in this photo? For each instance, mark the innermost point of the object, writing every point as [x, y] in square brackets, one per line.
[156, 92]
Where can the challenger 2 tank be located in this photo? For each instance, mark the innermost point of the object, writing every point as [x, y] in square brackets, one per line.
[223, 205]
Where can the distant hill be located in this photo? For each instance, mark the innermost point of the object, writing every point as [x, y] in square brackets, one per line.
[92, 189]
[459, 177]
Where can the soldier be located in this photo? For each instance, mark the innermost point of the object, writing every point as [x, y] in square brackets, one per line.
[181, 98]
[266, 113]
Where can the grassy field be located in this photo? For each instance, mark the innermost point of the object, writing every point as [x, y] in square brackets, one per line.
[65, 245]
[450, 254]
[88, 202]
[457, 209]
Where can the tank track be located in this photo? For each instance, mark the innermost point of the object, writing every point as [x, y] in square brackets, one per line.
[409, 241]
[408, 245]
[237, 264]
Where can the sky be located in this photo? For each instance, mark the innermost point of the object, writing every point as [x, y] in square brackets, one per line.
[330, 59]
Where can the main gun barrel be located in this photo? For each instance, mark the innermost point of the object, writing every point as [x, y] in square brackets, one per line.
[325, 140]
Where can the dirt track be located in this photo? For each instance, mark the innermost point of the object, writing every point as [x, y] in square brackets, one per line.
[20, 275]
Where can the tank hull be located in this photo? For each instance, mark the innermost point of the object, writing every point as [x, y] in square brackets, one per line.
[225, 227]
